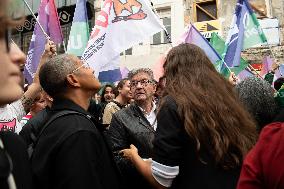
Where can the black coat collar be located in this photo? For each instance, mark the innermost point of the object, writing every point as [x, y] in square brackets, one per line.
[142, 119]
[66, 104]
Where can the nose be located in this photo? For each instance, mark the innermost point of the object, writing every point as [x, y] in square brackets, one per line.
[139, 85]
[17, 55]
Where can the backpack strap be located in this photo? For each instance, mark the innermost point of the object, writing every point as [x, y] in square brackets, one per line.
[48, 122]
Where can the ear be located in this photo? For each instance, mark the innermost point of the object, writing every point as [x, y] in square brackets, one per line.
[155, 87]
[73, 80]
[119, 90]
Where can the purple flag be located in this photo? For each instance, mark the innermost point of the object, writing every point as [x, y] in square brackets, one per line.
[48, 18]
[244, 74]
[124, 72]
[244, 33]
[279, 72]
[193, 36]
[266, 65]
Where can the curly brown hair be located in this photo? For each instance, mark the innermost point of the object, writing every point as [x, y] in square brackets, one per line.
[212, 114]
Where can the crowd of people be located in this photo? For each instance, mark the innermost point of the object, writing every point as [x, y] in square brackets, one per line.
[191, 129]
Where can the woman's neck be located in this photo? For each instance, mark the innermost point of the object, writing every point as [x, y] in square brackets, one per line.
[121, 100]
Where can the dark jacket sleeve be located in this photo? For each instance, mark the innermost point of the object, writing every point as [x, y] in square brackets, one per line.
[81, 151]
[118, 139]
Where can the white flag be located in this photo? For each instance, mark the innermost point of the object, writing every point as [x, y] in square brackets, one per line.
[120, 25]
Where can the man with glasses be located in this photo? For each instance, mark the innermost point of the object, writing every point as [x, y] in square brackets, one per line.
[136, 125]
[71, 152]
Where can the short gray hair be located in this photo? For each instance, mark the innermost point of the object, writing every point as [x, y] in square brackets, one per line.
[257, 96]
[134, 72]
[53, 73]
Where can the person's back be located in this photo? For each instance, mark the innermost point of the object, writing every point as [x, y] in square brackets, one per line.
[72, 146]
[194, 171]
[263, 166]
[70, 151]
[32, 128]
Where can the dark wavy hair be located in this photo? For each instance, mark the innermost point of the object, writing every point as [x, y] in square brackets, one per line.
[120, 85]
[103, 100]
[212, 114]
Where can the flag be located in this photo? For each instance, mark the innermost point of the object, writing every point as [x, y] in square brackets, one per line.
[193, 36]
[48, 18]
[219, 45]
[279, 71]
[266, 66]
[79, 33]
[244, 74]
[111, 71]
[124, 72]
[245, 32]
[158, 69]
[118, 27]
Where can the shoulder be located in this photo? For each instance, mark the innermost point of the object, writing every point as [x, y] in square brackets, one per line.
[168, 103]
[111, 105]
[270, 143]
[131, 110]
[71, 123]
[272, 132]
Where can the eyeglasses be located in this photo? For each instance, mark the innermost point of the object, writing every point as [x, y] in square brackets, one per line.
[143, 82]
[84, 65]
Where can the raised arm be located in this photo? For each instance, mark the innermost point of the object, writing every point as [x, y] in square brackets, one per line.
[33, 90]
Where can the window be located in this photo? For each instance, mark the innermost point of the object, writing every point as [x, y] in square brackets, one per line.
[128, 51]
[161, 37]
[205, 10]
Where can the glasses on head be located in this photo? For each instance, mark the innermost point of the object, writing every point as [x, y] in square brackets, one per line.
[84, 65]
[143, 82]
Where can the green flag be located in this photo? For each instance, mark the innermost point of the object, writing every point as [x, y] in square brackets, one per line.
[253, 34]
[219, 45]
[79, 34]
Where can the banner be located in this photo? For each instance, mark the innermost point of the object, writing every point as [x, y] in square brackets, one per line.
[79, 33]
[244, 33]
[48, 19]
[119, 26]
[219, 45]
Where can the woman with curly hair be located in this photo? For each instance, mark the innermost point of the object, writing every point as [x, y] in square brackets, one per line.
[203, 131]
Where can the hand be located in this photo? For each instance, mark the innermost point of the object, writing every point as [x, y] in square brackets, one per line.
[50, 48]
[129, 153]
[233, 79]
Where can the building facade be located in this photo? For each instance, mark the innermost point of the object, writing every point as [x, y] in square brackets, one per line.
[22, 34]
[207, 15]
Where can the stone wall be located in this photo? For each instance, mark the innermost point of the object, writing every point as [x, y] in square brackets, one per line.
[226, 9]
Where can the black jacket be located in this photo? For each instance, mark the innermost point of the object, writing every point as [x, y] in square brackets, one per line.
[129, 126]
[33, 127]
[72, 153]
[15, 148]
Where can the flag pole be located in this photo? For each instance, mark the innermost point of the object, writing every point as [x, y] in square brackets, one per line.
[40, 26]
[252, 68]
[64, 46]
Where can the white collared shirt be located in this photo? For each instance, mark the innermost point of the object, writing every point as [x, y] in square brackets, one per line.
[151, 117]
